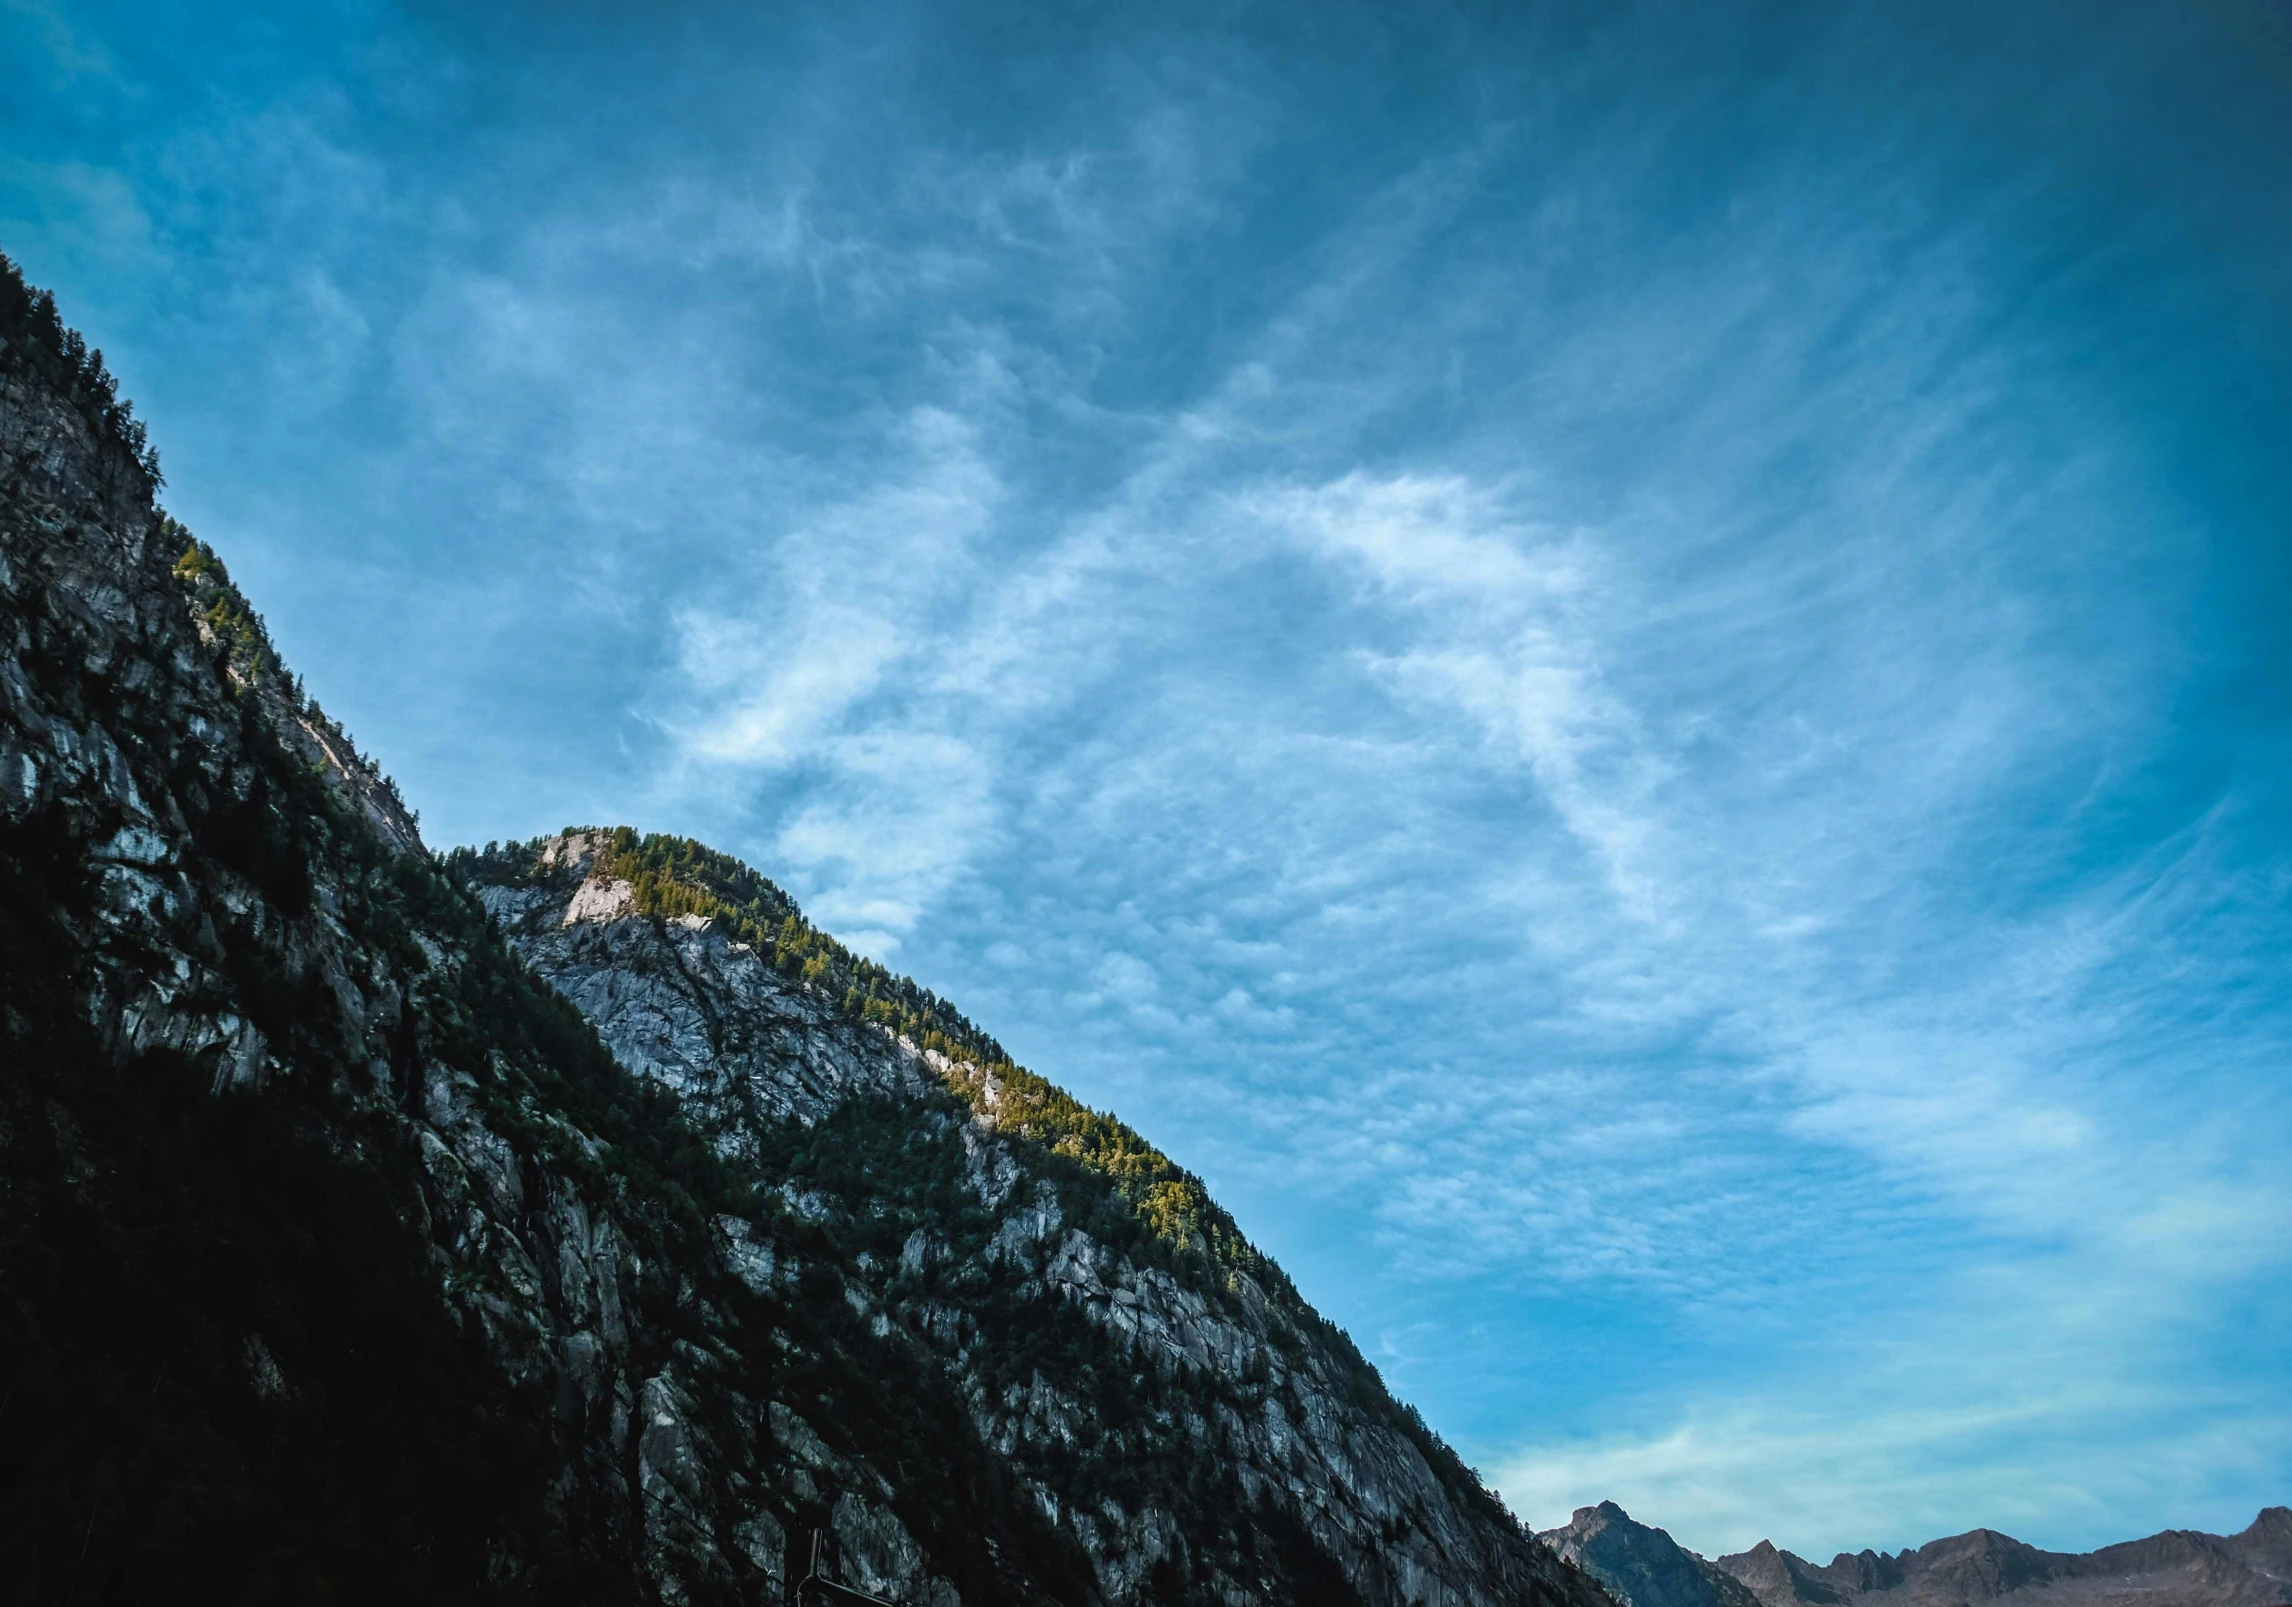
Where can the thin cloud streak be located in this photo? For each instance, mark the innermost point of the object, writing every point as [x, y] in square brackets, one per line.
[1508, 627]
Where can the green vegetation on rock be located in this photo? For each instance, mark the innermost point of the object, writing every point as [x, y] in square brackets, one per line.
[35, 341]
[674, 876]
[1127, 1193]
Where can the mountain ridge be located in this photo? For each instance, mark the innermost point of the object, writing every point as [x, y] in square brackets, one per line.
[1643, 1567]
[671, 877]
[2173, 1568]
[680, 997]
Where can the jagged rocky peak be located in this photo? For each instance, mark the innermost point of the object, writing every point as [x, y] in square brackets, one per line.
[1642, 1566]
[572, 1222]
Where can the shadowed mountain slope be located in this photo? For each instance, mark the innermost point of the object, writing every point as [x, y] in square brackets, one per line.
[570, 1223]
[1150, 1378]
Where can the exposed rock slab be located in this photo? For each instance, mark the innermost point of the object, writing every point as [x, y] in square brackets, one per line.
[1211, 1382]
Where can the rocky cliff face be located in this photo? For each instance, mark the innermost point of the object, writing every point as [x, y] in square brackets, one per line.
[344, 1259]
[1643, 1566]
[2179, 1568]
[1172, 1415]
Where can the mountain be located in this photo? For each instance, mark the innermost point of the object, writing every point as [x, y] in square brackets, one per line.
[1142, 1370]
[1644, 1567]
[2178, 1568]
[570, 1222]
[1641, 1566]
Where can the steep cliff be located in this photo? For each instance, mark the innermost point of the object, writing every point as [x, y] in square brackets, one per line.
[1160, 1390]
[341, 1259]
[344, 1259]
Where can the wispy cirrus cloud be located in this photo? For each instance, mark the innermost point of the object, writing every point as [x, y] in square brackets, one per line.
[1507, 640]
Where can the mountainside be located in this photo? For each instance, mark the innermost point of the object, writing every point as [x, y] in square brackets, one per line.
[1642, 1566]
[344, 1258]
[2179, 1568]
[1150, 1379]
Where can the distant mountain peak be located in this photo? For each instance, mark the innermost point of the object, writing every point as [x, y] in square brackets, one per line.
[1640, 1565]
[1643, 1566]
[2175, 1568]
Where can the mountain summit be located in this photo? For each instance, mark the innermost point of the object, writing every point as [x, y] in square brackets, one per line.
[569, 1222]
[1643, 1566]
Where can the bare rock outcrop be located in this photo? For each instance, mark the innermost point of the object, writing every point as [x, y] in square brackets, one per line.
[1084, 1356]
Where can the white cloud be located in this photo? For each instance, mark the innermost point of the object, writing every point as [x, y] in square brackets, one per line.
[1503, 627]
[844, 606]
[780, 697]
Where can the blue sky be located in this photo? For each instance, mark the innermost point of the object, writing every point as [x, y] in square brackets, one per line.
[1625, 666]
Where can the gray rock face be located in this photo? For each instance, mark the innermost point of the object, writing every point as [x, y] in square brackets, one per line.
[2179, 1568]
[1242, 1388]
[212, 899]
[679, 1003]
[1642, 1566]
